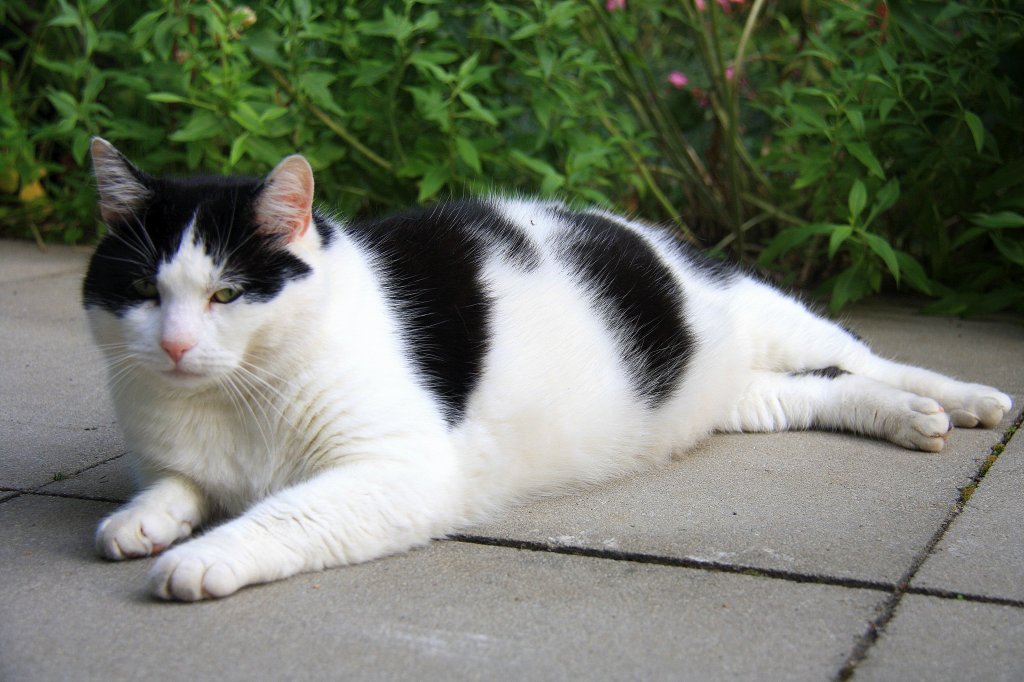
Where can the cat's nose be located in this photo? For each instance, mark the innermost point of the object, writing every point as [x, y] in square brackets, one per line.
[176, 348]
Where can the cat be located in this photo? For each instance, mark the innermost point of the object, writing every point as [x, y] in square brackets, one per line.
[342, 391]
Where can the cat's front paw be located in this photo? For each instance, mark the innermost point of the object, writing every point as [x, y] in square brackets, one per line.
[195, 571]
[131, 533]
[978, 405]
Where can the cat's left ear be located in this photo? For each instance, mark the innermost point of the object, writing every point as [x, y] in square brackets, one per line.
[284, 207]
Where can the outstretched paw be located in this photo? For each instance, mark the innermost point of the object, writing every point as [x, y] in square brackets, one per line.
[924, 426]
[978, 405]
[131, 533]
[192, 572]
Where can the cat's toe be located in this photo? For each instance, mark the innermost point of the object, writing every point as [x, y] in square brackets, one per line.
[185, 574]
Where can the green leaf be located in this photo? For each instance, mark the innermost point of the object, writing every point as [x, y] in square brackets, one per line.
[884, 251]
[862, 152]
[202, 126]
[790, 238]
[432, 182]
[885, 106]
[913, 273]
[525, 32]
[810, 117]
[856, 120]
[468, 153]
[551, 184]
[836, 239]
[887, 196]
[977, 129]
[857, 199]
[998, 221]
[1013, 250]
[316, 85]
[474, 105]
[810, 174]
[166, 98]
[237, 149]
[884, 200]
[245, 116]
[845, 287]
[68, 16]
[536, 165]
[64, 103]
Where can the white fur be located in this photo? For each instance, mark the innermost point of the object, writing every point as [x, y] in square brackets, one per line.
[303, 419]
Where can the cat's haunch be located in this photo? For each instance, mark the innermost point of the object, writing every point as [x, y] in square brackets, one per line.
[345, 390]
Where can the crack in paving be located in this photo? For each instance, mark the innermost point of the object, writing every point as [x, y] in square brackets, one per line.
[877, 626]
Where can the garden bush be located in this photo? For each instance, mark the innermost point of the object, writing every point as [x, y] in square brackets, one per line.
[844, 148]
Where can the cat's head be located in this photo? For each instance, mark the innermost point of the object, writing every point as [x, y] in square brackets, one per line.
[191, 270]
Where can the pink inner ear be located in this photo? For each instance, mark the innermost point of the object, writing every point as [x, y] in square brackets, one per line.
[300, 218]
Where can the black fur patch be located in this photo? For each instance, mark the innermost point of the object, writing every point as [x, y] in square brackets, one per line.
[432, 260]
[825, 372]
[224, 225]
[638, 297]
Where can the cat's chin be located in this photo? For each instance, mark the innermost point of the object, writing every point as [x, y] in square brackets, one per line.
[181, 378]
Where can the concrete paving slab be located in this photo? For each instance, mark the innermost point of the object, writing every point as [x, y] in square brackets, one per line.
[22, 260]
[982, 553]
[939, 640]
[453, 611]
[55, 415]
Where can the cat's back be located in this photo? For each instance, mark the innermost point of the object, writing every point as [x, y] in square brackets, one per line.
[536, 298]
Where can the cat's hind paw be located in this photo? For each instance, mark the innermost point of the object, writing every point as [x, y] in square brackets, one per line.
[132, 533]
[924, 426]
[979, 406]
[189, 573]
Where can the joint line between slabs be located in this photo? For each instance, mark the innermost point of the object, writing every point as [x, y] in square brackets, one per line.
[657, 560]
[877, 626]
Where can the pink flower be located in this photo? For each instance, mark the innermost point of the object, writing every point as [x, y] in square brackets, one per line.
[724, 4]
[678, 80]
[615, 5]
[729, 72]
[701, 5]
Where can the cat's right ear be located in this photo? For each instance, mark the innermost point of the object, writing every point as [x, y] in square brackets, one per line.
[285, 204]
[122, 187]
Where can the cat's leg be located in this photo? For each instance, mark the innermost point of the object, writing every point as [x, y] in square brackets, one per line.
[346, 515]
[968, 404]
[163, 513]
[786, 337]
[775, 401]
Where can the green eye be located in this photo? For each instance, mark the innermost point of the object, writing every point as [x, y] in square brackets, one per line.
[227, 294]
[146, 288]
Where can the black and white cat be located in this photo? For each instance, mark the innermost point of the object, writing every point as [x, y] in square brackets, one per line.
[346, 390]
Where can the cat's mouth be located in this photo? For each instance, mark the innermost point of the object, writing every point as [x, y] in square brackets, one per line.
[179, 375]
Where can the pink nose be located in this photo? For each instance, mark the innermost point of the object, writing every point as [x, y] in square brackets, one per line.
[176, 348]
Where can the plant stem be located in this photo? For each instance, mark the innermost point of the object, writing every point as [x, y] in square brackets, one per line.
[336, 127]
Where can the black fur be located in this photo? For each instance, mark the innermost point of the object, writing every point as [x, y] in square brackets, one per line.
[637, 296]
[432, 261]
[224, 224]
[825, 372]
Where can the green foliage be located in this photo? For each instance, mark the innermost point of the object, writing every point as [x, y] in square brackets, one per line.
[834, 145]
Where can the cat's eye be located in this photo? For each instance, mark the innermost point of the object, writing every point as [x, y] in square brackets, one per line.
[227, 294]
[146, 288]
